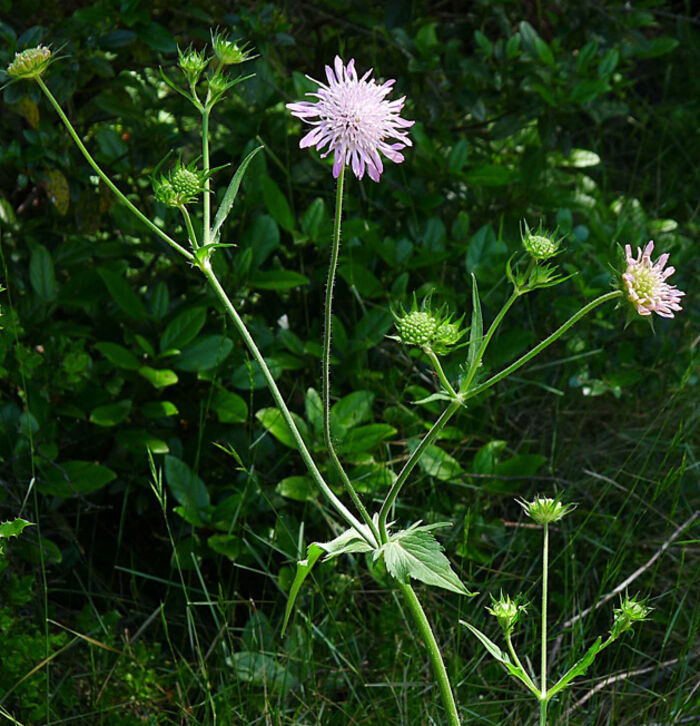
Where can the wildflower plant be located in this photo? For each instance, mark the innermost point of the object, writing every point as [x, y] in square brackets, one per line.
[353, 118]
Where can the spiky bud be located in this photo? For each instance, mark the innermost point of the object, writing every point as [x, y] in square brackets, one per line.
[228, 52]
[30, 63]
[416, 327]
[544, 510]
[507, 611]
[539, 245]
[631, 611]
[192, 63]
[186, 182]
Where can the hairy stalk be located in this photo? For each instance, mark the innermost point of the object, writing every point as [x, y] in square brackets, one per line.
[431, 644]
[206, 201]
[515, 658]
[326, 361]
[440, 373]
[190, 229]
[342, 510]
[133, 209]
[543, 660]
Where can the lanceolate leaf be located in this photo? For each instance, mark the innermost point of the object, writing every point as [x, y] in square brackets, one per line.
[500, 655]
[230, 196]
[415, 553]
[348, 542]
[577, 669]
[476, 333]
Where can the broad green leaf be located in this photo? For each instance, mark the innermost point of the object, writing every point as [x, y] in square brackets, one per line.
[71, 478]
[119, 355]
[578, 669]
[159, 409]
[313, 406]
[156, 37]
[183, 329]
[14, 527]
[313, 217]
[139, 441]
[280, 280]
[458, 156]
[230, 195]
[158, 378]
[272, 421]
[299, 488]
[208, 352]
[262, 670]
[415, 553]
[228, 545]
[229, 407]
[189, 490]
[372, 327]
[350, 411]
[160, 301]
[365, 438]
[122, 294]
[111, 414]
[359, 277]
[41, 273]
[276, 203]
[520, 466]
[486, 457]
[437, 463]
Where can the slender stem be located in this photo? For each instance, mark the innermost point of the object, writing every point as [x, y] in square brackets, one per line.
[541, 346]
[431, 644]
[190, 229]
[326, 360]
[441, 374]
[530, 683]
[342, 510]
[467, 381]
[134, 210]
[206, 208]
[543, 660]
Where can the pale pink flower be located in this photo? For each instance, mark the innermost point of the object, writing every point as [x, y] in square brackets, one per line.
[646, 283]
[353, 119]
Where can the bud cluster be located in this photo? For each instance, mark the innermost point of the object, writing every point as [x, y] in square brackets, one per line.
[428, 328]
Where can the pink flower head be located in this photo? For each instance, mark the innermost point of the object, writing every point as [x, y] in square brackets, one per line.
[353, 119]
[646, 283]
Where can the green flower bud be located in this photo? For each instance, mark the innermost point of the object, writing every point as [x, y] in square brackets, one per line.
[416, 328]
[228, 52]
[507, 611]
[544, 510]
[30, 63]
[192, 63]
[186, 182]
[630, 611]
[540, 245]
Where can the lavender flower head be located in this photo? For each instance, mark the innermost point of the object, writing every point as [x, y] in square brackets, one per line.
[353, 119]
[646, 283]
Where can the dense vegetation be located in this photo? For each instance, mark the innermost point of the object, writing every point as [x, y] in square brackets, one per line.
[117, 610]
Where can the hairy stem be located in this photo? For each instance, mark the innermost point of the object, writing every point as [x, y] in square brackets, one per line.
[440, 373]
[133, 209]
[326, 361]
[431, 644]
[206, 201]
[543, 650]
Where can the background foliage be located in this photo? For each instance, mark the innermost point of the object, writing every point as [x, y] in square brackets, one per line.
[582, 115]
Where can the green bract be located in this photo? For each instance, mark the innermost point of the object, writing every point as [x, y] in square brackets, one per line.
[228, 52]
[544, 510]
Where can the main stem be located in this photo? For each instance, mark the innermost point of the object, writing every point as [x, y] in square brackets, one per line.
[543, 667]
[206, 201]
[431, 644]
[326, 360]
[342, 510]
[133, 209]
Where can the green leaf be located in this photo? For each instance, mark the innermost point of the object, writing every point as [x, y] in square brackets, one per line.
[544, 52]
[262, 670]
[279, 280]
[69, 478]
[122, 294]
[437, 463]
[304, 567]
[189, 490]
[313, 406]
[313, 217]
[183, 329]
[491, 175]
[578, 669]
[111, 414]
[272, 421]
[208, 352]
[487, 456]
[159, 409]
[500, 655]
[157, 37]
[119, 355]
[160, 301]
[228, 545]
[350, 411]
[364, 438]
[140, 441]
[359, 277]
[458, 156]
[277, 204]
[298, 488]
[229, 407]
[415, 553]
[581, 158]
[13, 528]
[41, 273]
[230, 195]
[476, 333]
[158, 378]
